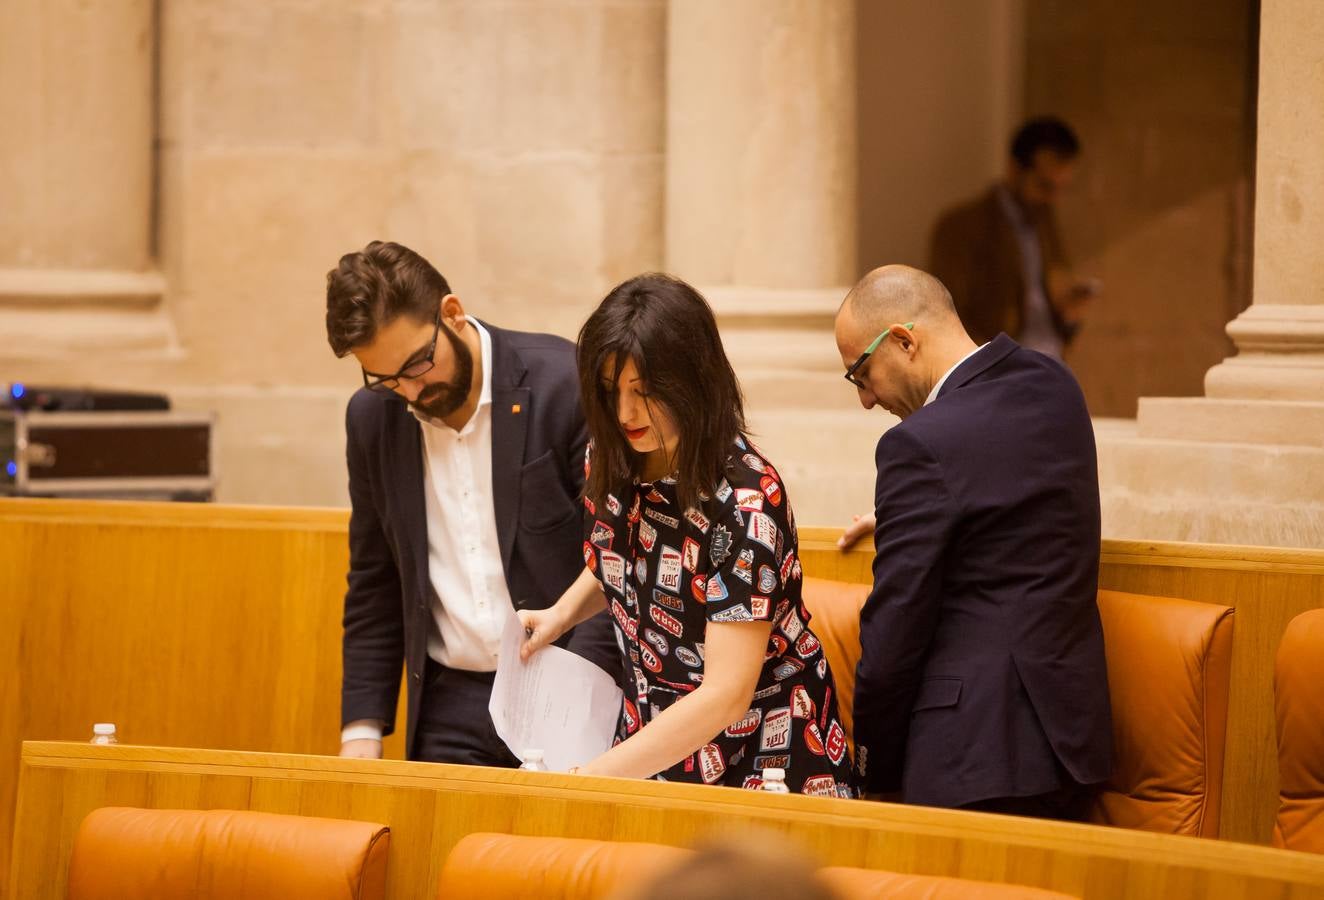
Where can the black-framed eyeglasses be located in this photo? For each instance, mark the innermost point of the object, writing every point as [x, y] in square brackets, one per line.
[864, 357]
[385, 384]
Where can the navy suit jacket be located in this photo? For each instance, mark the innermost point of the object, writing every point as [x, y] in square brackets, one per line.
[538, 439]
[982, 672]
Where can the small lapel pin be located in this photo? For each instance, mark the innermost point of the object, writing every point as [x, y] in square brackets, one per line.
[515, 408]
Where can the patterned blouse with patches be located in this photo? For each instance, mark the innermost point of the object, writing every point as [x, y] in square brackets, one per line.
[668, 572]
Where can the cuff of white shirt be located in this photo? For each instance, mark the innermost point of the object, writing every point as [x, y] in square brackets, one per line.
[363, 730]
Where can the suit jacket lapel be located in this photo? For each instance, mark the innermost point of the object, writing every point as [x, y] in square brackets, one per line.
[510, 415]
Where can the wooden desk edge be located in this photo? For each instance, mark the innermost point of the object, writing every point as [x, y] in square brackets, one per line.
[820, 540]
[177, 515]
[1094, 840]
[1129, 552]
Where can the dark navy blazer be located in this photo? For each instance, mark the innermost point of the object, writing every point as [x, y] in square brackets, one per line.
[538, 439]
[982, 674]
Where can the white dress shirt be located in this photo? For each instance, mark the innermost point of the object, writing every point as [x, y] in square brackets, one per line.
[933, 394]
[470, 600]
[464, 556]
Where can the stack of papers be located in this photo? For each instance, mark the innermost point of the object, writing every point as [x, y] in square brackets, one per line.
[557, 702]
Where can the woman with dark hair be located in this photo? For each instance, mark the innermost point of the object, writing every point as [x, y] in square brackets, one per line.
[690, 542]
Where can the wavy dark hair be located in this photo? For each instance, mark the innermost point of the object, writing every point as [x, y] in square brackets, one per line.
[668, 329]
[373, 287]
[1044, 133]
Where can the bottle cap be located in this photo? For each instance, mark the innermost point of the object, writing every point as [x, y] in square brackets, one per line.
[532, 755]
[103, 728]
[772, 774]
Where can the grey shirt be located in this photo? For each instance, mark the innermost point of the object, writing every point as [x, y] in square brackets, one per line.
[1038, 331]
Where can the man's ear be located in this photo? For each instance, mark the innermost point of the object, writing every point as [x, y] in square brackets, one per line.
[452, 310]
[904, 337]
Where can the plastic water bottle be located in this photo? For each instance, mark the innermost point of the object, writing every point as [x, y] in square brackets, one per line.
[104, 733]
[532, 761]
[774, 781]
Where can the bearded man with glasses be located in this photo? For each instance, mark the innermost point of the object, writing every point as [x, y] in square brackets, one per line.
[465, 449]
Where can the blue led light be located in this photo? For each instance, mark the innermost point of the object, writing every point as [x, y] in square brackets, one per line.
[17, 391]
[11, 467]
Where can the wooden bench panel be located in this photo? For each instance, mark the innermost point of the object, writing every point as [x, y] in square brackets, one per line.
[213, 626]
[429, 808]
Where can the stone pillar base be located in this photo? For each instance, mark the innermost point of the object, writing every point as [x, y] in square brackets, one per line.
[1219, 472]
[1281, 422]
[801, 412]
[53, 313]
[781, 345]
[1244, 465]
[1281, 355]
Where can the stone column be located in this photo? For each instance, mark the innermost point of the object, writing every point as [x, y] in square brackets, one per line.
[761, 206]
[1281, 336]
[76, 175]
[1245, 464]
[761, 142]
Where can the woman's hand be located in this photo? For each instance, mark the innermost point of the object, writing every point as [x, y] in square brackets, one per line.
[541, 627]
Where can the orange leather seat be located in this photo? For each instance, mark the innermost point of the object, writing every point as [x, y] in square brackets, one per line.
[834, 610]
[1299, 703]
[499, 866]
[1169, 667]
[495, 866]
[869, 884]
[226, 855]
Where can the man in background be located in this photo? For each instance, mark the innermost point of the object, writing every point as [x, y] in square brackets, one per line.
[1001, 254]
[465, 448]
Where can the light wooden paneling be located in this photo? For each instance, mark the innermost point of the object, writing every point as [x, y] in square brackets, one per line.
[188, 625]
[430, 807]
[211, 626]
[820, 557]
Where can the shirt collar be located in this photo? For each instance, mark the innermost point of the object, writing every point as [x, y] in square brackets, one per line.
[485, 393]
[933, 394]
[484, 359]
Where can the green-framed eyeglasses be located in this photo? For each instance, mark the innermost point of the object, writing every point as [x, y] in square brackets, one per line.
[868, 351]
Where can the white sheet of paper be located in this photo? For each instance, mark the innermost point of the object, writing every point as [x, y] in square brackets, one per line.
[556, 702]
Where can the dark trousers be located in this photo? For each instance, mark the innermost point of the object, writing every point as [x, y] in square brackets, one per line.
[1066, 804]
[454, 725]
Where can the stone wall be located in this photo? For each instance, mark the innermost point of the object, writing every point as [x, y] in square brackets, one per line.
[1244, 464]
[940, 86]
[1163, 97]
[180, 188]
[518, 145]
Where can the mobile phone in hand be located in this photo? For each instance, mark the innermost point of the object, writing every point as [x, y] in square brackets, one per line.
[1087, 287]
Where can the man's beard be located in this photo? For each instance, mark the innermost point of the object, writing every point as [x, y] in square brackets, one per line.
[441, 399]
